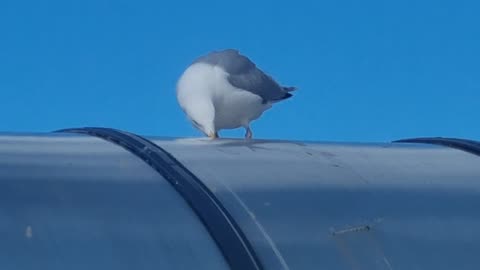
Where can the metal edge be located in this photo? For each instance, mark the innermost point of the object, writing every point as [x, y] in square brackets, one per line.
[228, 236]
[469, 146]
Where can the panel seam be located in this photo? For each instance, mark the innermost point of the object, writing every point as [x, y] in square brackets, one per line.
[227, 234]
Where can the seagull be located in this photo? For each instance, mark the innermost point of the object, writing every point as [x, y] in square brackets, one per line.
[225, 90]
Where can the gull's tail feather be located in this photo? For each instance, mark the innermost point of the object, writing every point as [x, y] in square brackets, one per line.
[289, 88]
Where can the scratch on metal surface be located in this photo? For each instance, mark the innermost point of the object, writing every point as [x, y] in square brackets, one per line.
[274, 247]
[341, 241]
[387, 263]
[327, 155]
[380, 252]
[352, 230]
[337, 162]
[260, 227]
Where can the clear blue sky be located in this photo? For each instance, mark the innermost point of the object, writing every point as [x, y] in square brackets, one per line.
[366, 70]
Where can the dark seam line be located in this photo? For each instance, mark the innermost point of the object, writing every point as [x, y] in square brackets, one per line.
[230, 239]
[469, 146]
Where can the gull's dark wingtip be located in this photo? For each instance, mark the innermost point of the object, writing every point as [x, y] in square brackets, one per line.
[286, 96]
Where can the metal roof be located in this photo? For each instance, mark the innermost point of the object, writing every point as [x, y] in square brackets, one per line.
[229, 203]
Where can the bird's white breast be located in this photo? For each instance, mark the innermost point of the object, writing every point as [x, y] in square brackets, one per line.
[234, 107]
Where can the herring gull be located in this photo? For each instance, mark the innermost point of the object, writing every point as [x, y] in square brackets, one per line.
[226, 90]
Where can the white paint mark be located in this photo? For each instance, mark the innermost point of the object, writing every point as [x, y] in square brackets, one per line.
[28, 232]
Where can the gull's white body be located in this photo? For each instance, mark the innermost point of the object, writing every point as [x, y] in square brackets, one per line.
[226, 90]
[233, 107]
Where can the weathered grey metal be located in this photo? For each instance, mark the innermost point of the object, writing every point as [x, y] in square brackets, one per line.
[79, 202]
[229, 238]
[345, 206]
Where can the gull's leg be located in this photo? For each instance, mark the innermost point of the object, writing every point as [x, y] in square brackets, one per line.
[213, 135]
[248, 133]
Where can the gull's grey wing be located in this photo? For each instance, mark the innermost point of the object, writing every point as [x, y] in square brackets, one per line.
[244, 74]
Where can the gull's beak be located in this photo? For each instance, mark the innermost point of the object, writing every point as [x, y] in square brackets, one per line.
[213, 135]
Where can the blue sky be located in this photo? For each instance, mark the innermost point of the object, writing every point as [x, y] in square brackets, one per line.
[366, 70]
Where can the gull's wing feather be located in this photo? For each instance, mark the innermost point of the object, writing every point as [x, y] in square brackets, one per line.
[244, 74]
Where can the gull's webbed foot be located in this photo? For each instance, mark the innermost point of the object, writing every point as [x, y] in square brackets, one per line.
[213, 135]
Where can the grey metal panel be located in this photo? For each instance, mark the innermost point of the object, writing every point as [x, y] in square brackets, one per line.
[345, 206]
[222, 227]
[78, 202]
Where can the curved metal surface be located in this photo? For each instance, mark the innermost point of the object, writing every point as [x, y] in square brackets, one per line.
[72, 201]
[222, 227]
[345, 206]
[461, 144]
[78, 202]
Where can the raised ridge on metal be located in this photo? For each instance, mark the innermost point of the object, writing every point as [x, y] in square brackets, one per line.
[230, 239]
[461, 144]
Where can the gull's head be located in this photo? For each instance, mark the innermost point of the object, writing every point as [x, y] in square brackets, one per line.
[195, 96]
[203, 118]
